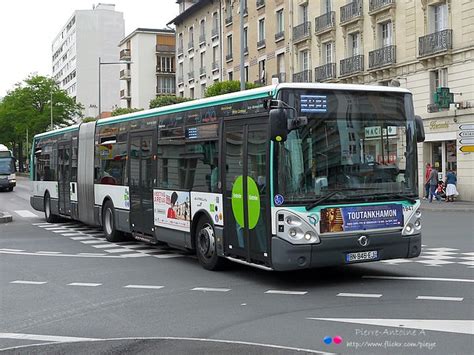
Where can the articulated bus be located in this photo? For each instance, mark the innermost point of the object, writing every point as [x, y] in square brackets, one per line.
[282, 177]
[7, 169]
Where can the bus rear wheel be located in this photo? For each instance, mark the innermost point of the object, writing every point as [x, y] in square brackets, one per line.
[108, 223]
[206, 249]
[48, 215]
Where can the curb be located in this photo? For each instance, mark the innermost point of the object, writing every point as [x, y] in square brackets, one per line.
[5, 217]
[452, 209]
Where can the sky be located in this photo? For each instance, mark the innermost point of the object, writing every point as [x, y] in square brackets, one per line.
[28, 27]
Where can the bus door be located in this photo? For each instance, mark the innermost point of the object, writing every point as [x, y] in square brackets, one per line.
[245, 171]
[142, 176]
[64, 177]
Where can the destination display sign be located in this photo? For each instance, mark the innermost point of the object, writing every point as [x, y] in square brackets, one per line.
[314, 103]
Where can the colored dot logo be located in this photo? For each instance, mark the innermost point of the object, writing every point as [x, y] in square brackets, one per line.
[329, 340]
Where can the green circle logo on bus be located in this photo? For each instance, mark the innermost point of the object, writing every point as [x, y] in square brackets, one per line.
[253, 203]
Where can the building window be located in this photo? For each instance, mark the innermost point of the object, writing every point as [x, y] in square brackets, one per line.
[246, 40]
[202, 33]
[438, 17]
[386, 34]
[203, 89]
[246, 73]
[261, 29]
[303, 10]
[191, 37]
[229, 46]
[354, 44]
[280, 21]
[230, 75]
[328, 52]
[215, 23]
[304, 60]
[261, 71]
[191, 93]
[326, 6]
[438, 78]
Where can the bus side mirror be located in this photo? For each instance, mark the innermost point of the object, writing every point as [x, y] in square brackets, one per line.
[420, 129]
[278, 124]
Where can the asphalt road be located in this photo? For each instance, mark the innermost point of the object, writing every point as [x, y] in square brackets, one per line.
[66, 289]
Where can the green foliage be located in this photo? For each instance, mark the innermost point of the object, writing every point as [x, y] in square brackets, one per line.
[88, 119]
[225, 87]
[122, 111]
[167, 100]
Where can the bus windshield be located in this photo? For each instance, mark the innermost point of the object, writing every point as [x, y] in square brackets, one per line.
[6, 166]
[357, 145]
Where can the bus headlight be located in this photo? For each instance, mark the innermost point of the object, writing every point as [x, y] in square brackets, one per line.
[295, 233]
[418, 213]
[311, 237]
[418, 224]
[11, 177]
[409, 228]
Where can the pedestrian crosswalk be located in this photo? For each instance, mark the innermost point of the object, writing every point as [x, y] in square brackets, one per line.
[95, 238]
[438, 257]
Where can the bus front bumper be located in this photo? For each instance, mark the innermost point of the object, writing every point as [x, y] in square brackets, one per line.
[332, 250]
[5, 183]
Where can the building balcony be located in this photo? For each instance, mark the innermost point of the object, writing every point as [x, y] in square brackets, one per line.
[325, 22]
[260, 3]
[382, 57]
[325, 72]
[351, 65]
[279, 36]
[280, 76]
[190, 46]
[228, 20]
[301, 32]
[180, 50]
[125, 74]
[202, 39]
[164, 70]
[215, 66]
[124, 95]
[214, 33]
[302, 77]
[435, 43]
[202, 71]
[165, 90]
[191, 75]
[125, 54]
[228, 57]
[261, 44]
[376, 6]
[163, 48]
[351, 12]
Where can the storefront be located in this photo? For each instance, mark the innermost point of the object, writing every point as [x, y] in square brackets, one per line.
[444, 149]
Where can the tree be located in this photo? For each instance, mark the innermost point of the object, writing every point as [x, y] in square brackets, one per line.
[225, 87]
[122, 111]
[166, 100]
[28, 107]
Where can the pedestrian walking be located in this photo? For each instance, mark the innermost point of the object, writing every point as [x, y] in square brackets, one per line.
[451, 190]
[427, 182]
[433, 182]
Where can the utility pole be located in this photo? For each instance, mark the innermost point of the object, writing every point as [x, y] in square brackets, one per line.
[242, 67]
[100, 107]
[51, 92]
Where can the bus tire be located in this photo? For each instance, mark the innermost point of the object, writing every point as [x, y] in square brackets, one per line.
[206, 249]
[48, 214]
[108, 223]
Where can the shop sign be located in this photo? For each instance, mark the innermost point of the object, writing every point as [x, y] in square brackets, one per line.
[434, 125]
[374, 131]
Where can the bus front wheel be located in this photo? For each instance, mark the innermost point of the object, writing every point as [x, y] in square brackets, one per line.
[108, 223]
[206, 249]
[48, 215]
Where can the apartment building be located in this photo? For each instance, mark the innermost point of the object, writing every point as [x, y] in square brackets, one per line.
[419, 44]
[198, 48]
[75, 57]
[265, 39]
[150, 69]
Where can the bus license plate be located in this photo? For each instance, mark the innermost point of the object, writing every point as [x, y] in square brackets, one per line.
[361, 256]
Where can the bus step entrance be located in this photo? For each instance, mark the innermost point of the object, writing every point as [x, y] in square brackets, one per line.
[144, 238]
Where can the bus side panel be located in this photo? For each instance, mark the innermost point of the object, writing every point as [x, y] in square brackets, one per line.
[85, 174]
[39, 190]
[119, 195]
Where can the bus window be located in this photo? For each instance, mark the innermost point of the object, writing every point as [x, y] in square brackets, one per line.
[111, 161]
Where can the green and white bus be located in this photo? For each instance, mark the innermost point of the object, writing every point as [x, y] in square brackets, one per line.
[7, 169]
[283, 177]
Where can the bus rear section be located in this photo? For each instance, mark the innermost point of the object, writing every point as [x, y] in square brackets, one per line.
[7, 169]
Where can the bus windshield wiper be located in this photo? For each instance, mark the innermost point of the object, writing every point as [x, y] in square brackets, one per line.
[334, 192]
[397, 195]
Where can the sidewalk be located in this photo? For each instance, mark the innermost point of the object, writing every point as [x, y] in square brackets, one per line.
[442, 206]
[5, 217]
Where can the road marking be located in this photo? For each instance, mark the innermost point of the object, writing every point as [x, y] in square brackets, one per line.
[210, 289]
[41, 224]
[415, 278]
[91, 255]
[81, 238]
[119, 250]
[14, 250]
[92, 241]
[362, 295]
[136, 255]
[25, 214]
[144, 286]
[28, 282]
[103, 246]
[168, 256]
[436, 298]
[282, 292]
[72, 234]
[85, 284]
[440, 325]
[48, 252]
[61, 230]
[55, 228]
[42, 337]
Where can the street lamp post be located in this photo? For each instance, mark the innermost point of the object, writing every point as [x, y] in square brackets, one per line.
[106, 63]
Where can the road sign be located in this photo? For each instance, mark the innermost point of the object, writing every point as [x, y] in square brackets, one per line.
[467, 149]
[466, 127]
[466, 141]
[466, 134]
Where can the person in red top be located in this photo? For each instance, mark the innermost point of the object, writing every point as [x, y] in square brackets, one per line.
[171, 212]
[427, 182]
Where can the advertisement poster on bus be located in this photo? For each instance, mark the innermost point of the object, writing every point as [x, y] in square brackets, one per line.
[357, 218]
[172, 209]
